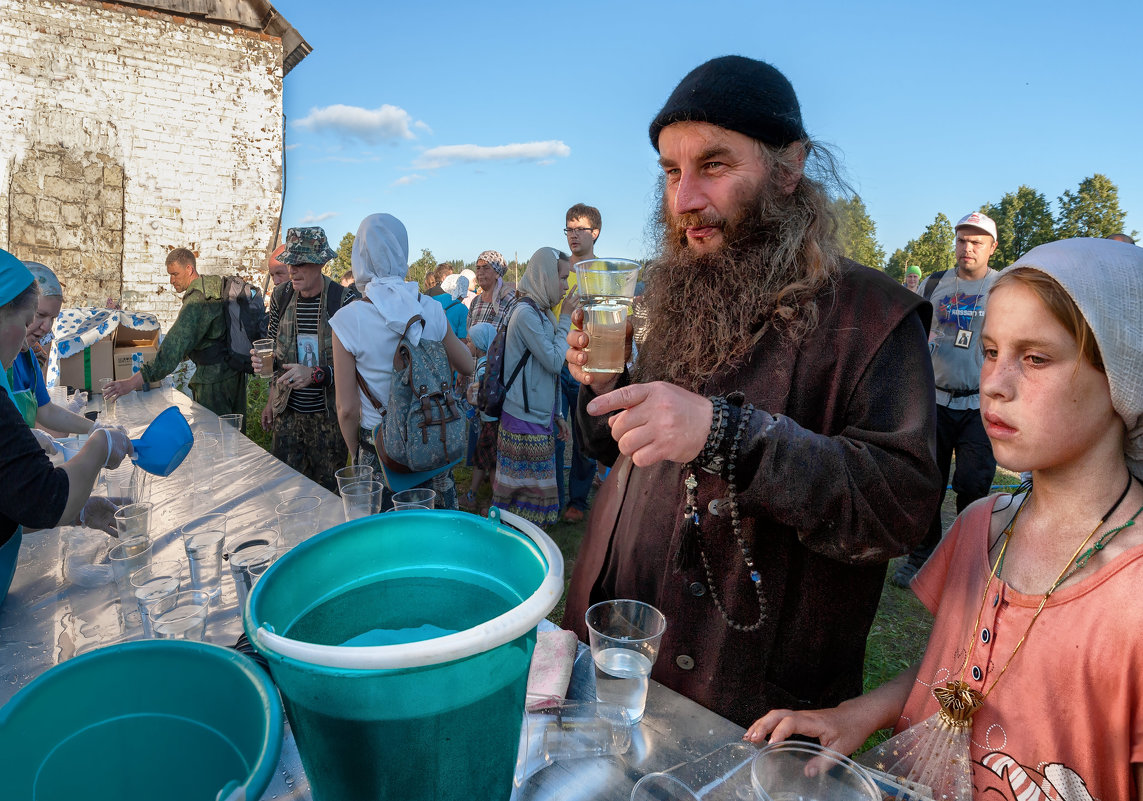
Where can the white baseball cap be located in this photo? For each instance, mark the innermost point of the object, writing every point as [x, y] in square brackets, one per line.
[978, 220]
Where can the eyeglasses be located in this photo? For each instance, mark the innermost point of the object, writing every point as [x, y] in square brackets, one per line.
[570, 231]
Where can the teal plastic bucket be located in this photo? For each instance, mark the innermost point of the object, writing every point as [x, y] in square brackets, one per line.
[401, 644]
[170, 719]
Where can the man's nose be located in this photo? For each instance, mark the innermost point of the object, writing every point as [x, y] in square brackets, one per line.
[689, 195]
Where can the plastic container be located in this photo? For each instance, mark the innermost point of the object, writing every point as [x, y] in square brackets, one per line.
[180, 721]
[165, 443]
[401, 644]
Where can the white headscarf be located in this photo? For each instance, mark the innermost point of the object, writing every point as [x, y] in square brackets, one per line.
[380, 261]
[455, 285]
[1105, 279]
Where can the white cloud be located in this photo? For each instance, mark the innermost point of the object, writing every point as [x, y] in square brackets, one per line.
[386, 123]
[310, 218]
[437, 157]
[294, 146]
[408, 179]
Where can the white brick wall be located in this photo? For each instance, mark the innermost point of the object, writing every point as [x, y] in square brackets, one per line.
[192, 111]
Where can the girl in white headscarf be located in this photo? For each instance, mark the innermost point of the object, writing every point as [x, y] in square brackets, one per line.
[525, 477]
[1034, 660]
[366, 334]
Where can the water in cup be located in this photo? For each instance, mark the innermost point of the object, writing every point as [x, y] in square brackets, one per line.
[621, 678]
[135, 551]
[605, 322]
[184, 620]
[204, 550]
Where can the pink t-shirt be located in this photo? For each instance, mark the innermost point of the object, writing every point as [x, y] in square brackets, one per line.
[1066, 720]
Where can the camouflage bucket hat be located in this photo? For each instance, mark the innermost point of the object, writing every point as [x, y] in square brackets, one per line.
[306, 246]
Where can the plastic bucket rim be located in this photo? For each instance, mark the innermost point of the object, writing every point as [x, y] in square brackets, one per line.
[814, 750]
[502, 629]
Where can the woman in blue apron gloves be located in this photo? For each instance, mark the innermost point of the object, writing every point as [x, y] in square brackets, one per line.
[32, 492]
[26, 377]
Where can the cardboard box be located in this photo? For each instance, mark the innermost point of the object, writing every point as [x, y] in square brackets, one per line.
[130, 360]
[133, 349]
[83, 370]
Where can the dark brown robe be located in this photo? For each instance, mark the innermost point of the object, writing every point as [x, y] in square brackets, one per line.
[836, 477]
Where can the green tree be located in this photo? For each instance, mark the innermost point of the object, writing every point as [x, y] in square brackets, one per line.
[1023, 220]
[1093, 210]
[933, 250]
[342, 262]
[422, 267]
[857, 233]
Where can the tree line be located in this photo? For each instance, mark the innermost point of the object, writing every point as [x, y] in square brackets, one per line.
[342, 263]
[1023, 219]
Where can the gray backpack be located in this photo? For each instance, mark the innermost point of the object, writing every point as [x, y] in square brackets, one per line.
[422, 426]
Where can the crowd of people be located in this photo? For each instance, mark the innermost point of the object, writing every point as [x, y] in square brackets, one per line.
[787, 427]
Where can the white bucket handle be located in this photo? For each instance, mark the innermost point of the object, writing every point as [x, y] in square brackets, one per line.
[493, 633]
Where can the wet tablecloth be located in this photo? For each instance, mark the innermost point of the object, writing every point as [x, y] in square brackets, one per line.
[58, 608]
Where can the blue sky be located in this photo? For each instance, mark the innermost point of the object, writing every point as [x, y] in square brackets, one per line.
[478, 124]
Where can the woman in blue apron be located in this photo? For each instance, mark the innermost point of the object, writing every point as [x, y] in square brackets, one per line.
[32, 492]
[26, 377]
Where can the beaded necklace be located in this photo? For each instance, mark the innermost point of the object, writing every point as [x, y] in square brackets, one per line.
[692, 528]
[958, 701]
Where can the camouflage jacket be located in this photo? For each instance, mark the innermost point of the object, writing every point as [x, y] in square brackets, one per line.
[200, 322]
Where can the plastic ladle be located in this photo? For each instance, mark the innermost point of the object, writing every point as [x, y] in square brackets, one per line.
[164, 444]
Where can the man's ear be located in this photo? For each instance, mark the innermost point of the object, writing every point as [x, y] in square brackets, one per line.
[594, 235]
[795, 154]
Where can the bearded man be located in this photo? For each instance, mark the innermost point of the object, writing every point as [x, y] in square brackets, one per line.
[775, 447]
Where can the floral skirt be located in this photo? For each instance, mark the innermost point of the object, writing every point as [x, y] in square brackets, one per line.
[525, 478]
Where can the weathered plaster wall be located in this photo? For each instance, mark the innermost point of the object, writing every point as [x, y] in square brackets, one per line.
[125, 133]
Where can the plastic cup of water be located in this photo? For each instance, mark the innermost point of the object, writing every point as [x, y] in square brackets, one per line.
[204, 552]
[361, 499]
[624, 637]
[606, 288]
[416, 498]
[126, 557]
[133, 520]
[264, 348]
[248, 550]
[183, 618]
[155, 585]
[352, 475]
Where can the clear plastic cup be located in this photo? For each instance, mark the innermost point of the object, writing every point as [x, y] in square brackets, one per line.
[570, 730]
[415, 498]
[352, 474]
[624, 636]
[230, 428]
[204, 555]
[265, 350]
[721, 775]
[809, 772]
[298, 518]
[133, 520]
[361, 499]
[248, 550]
[154, 586]
[183, 617]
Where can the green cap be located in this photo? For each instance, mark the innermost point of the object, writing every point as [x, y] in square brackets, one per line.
[913, 270]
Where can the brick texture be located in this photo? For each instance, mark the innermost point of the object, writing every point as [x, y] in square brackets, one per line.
[128, 133]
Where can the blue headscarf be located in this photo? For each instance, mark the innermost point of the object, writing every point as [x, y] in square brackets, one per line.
[14, 277]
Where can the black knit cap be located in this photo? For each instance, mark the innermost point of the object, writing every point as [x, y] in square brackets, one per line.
[739, 94]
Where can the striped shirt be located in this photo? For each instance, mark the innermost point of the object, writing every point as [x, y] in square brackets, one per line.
[308, 399]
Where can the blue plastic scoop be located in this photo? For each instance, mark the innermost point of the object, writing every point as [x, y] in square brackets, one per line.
[164, 444]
